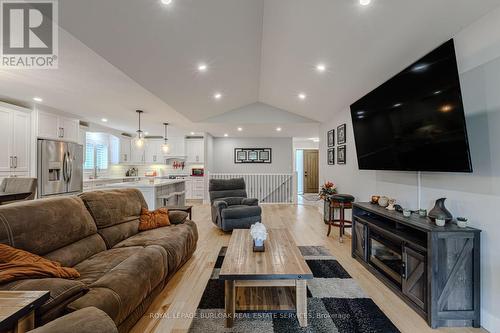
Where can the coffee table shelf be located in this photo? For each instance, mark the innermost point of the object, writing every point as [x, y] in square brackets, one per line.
[270, 281]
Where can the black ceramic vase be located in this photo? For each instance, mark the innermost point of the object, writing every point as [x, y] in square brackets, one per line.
[440, 212]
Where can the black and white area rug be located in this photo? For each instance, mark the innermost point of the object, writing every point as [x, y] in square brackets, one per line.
[335, 303]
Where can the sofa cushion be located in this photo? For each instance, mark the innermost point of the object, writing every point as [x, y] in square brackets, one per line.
[178, 240]
[46, 227]
[88, 320]
[62, 292]
[177, 216]
[115, 212]
[120, 279]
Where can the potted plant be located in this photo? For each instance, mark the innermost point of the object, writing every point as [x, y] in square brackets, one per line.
[327, 190]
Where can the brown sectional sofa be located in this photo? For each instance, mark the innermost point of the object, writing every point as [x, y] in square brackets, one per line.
[121, 269]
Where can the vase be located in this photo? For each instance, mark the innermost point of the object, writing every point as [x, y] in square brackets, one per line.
[440, 212]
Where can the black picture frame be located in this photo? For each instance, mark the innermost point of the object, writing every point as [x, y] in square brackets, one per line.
[341, 134]
[331, 156]
[341, 155]
[252, 155]
[330, 138]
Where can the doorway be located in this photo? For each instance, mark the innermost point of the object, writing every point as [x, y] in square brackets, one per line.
[311, 171]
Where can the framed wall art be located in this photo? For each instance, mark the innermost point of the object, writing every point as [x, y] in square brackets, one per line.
[341, 155]
[252, 155]
[341, 134]
[331, 138]
[331, 156]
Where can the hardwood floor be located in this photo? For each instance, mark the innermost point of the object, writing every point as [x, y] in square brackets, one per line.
[173, 309]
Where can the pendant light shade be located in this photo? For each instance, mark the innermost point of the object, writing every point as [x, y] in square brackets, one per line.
[165, 146]
[139, 139]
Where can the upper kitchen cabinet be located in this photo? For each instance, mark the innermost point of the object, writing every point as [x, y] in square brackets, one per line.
[14, 140]
[195, 150]
[177, 147]
[125, 150]
[56, 127]
[154, 153]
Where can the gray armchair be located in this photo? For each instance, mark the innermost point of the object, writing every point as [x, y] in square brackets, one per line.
[231, 209]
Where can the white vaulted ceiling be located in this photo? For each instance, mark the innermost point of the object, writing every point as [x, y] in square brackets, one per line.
[260, 54]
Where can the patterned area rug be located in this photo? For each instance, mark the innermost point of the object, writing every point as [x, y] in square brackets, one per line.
[335, 304]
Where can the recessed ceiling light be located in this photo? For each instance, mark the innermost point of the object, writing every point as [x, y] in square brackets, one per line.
[364, 2]
[240, 129]
[397, 105]
[146, 133]
[302, 96]
[104, 120]
[217, 95]
[37, 99]
[166, 2]
[192, 133]
[320, 68]
[437, 92]
[278, 129]
[202, 67]
[226, 135]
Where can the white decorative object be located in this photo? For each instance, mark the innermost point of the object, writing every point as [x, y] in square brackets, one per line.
[440, 222]
[391, 202]
[259, 234]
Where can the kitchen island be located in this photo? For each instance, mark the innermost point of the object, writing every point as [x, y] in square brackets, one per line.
[158, 192]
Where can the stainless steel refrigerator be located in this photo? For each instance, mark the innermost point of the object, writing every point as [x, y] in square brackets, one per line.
[60, 168]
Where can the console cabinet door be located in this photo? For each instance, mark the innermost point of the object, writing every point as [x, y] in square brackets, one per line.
[359, 240]
[414, 277]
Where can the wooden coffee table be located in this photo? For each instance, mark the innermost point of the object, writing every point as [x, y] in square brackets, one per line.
[17, 309]
[274, 280]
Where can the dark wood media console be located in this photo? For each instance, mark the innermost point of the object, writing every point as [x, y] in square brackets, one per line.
[433, 269]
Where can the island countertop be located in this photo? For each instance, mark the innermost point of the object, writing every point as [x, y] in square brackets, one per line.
[147, 184]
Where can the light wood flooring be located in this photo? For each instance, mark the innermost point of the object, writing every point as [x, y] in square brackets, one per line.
[173, 309]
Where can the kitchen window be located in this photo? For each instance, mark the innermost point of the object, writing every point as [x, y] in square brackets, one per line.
[96, 153]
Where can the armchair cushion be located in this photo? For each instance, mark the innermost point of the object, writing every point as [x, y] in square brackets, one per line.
[240, 212]
[250, 202]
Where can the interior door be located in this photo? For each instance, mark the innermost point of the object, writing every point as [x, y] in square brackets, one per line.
[311, 171]
[415, 277]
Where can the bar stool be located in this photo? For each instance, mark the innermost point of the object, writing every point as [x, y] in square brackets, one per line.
[340, 202]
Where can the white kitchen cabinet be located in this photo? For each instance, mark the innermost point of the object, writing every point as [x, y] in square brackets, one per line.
[21, 141]
[14, 142]
[177, 147]
[55, 127]
[195, 150]
[154, 153]
[195, 188]
[125, 150]
[137, 154]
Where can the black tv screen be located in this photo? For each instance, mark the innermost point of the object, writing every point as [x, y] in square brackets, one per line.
[415, 121]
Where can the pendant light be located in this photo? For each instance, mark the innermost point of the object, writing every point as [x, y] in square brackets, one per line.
[139, 140]
[165, 147]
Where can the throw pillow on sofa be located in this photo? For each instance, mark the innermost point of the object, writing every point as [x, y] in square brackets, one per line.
[153, 219]
[177, 217]
[18, 264]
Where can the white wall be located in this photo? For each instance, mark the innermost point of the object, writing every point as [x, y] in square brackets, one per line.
[475, 195]
[282, 160]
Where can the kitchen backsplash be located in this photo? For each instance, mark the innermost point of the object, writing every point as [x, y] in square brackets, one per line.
[161, 169]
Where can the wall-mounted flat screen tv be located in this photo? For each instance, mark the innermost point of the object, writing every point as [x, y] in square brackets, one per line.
[415, 121]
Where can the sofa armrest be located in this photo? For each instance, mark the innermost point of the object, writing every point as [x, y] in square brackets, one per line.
[250, 202]
[86, 320]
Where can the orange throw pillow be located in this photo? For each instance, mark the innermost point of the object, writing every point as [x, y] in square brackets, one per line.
[17, 264]
[153, 219]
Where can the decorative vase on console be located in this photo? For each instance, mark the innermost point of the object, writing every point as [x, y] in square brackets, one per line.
[440, 212]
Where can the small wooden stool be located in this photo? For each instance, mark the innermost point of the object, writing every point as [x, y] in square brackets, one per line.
[340, 202]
